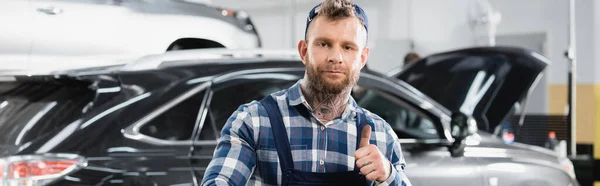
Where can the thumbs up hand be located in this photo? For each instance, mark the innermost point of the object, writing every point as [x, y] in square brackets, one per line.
[372, 163]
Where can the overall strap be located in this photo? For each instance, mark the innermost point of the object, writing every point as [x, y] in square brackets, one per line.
[279, 133]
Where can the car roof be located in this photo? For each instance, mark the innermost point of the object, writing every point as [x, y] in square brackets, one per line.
[249, 58]
[199, 56]
[244, 59]
[93, 65]
[96, 64]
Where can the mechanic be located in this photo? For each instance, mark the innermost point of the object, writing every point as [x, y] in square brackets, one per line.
[313, 133]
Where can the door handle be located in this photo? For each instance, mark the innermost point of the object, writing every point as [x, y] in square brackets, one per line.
[50, 10]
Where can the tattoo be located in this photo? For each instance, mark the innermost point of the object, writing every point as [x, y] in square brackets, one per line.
[326, 106]
[325, 110]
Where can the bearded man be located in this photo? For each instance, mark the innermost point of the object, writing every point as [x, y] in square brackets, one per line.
[331, 142]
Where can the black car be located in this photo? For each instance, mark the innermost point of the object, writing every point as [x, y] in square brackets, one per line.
[156, 121]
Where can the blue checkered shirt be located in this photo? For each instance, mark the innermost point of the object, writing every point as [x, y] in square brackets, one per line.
[246, 153]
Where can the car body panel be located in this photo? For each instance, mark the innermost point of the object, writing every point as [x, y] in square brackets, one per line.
[112, 159]
[16, 38]
[80, 28]
[435, 166]
[51, 28]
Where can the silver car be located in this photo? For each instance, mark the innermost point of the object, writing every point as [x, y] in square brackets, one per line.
[39, 30]
[480, 87]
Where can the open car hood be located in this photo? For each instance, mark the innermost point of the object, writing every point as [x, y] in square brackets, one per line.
[485, 82]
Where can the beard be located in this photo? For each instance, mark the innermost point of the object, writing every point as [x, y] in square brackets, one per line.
[319, 83]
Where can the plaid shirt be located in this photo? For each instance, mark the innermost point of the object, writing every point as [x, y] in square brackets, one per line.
[246, 154]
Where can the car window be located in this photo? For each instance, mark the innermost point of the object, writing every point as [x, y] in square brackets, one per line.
[406, 121]
[229, 96]
[177, 123]
[34, 110]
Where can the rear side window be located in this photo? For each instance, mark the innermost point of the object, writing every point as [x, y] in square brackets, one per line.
[177, 123]
[32, 110]
[229, 96]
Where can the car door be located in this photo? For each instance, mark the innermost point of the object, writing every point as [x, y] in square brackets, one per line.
[161, 140]
[85, 27]
[429, 162]
[225, 97]
[16, 33]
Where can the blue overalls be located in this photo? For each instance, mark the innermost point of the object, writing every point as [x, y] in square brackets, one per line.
[293, 177]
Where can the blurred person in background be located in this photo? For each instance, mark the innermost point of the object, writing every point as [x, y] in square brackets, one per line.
[410, 58]
[552, 143]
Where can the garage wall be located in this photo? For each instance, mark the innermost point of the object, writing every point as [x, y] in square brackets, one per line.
[440, 25]
[539, 16]
[386, 30]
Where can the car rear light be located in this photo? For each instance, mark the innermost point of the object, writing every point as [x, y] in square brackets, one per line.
[1, 172]
[32, 170]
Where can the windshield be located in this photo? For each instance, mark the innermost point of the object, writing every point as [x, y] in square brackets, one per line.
[32, 110]
[406, 121]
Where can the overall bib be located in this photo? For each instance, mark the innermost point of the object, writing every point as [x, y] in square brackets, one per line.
[293, 177]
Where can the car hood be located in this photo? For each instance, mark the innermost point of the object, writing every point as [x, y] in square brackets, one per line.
[485, 82]
[490, 153]
[483, 144]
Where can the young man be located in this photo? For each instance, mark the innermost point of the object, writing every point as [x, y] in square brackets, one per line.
[313, 133]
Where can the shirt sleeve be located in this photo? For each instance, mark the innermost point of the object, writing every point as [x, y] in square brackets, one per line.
[394, 155]
[235, 157]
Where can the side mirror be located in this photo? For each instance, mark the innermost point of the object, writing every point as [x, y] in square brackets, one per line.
[461, 127]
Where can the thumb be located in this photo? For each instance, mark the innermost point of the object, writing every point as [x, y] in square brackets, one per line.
[365, 136]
